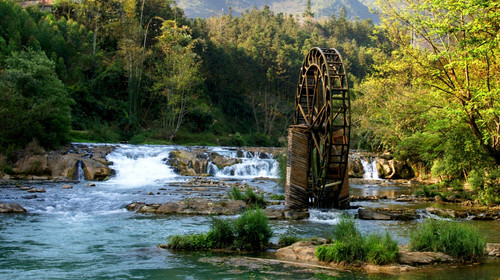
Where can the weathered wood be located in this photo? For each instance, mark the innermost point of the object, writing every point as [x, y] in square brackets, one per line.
[318, 141]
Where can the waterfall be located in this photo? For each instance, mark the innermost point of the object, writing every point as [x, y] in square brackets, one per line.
[370, 169]
[140, 165]
[80, 174]
[251, 165]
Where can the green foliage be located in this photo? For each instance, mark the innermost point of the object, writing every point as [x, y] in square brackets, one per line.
[350, 246]
[249, 232]
[189, 242]
[236, 194]
[252, 231]
[282, 161]
[346, 229]
[221, 233]
[381, 249]
[427, 191]
[249, 197]
[277, 196]
[287, 240]
[35, 104]
[486, 184]
[460, 240]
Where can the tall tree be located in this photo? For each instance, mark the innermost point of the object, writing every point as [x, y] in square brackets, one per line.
[455, 47]
[178, 77]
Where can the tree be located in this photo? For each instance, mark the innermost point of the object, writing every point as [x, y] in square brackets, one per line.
[454, 46]
[178, 77]
[34, 104]
[308, 12]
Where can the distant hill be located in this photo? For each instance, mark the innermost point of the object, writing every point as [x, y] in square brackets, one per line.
[321, 8]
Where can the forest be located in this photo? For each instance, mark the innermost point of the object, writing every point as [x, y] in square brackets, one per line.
[425, 81]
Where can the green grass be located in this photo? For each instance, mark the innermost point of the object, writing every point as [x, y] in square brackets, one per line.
[460, 240]
[250, 232]
[350, 246]
[287, 240]
[249, 197]
[277, 196]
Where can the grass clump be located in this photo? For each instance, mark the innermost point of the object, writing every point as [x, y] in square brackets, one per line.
[277, 196]
[250, 232]
[249, 197]
[381, 249]
[460, 240]
[350, 246]
[287, 240]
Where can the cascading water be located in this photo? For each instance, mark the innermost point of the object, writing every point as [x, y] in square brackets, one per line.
[141, 165]
[370, 169]
[251, 165]
[80, 174]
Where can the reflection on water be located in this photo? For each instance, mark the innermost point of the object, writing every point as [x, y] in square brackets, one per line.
[86, 233]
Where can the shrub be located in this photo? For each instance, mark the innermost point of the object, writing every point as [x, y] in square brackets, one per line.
[459, 240]
[221, 233]
[252, 231]
[277, 196]
[348, 250]
[236, 194]
[381, 249]
[287, 240]
[346, 229]
[486, 184]
[250, 197]
[189, 242]
[350, 246]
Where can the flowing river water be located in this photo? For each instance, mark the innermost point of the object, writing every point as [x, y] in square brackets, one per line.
[86, 232]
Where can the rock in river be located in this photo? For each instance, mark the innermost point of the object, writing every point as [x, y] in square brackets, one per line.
[11, 208]
[387, 214]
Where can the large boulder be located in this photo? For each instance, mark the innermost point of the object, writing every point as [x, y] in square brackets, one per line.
[394, 169]
[195, 162]
[11, 208]
[303, 251]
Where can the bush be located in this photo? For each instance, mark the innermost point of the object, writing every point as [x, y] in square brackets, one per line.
[277, 196]
[287, 240]
[381, 249]
[486, 185]
[348, 250]
[250, 197]
[252, 231]
[189, 242]
[221, 233]
[460, 240]
[350, 246]
[34, 103]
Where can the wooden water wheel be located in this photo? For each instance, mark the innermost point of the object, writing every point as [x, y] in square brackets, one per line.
[319, 139]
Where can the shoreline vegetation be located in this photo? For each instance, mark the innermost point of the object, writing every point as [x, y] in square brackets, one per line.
[435, 242]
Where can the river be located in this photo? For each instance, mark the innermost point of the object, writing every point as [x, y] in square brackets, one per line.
[86, 232]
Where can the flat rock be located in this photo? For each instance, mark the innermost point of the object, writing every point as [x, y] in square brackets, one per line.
[11, 208]
[191, 206]
[423, 258]
[66, 186]
[387, 214]
[493, 250]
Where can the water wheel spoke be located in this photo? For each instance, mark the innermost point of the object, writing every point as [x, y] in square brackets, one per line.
[322, 116]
